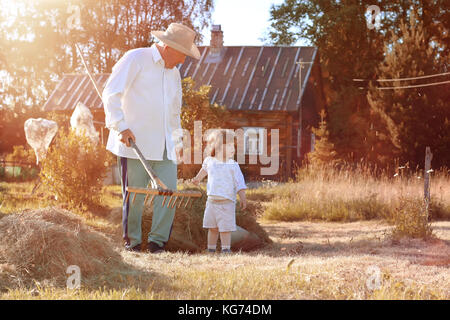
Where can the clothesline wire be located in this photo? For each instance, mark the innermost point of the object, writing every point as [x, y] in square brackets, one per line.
[407, 79]
[415, 86]
[412, 86]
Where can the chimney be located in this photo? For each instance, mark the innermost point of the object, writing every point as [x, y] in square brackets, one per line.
[216, 44]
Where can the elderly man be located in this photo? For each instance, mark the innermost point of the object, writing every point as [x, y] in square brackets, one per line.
[142, 101]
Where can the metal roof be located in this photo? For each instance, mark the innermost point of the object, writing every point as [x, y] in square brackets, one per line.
[74, 88]
[241, 77]
[252, 78]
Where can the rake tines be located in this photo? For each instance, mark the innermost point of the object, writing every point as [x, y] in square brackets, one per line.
[169, 199]
[158, 188]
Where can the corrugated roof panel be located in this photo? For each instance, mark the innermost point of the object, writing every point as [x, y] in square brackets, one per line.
[242, 78]
[74, 88]
[77, 92]
[288, 83]
[250, 79]
[267, 86]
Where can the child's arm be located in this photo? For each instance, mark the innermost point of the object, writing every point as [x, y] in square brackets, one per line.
[240, 185]
[243, 199]
[199, 177]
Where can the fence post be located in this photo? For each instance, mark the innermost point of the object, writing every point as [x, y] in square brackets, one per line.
[428, 157]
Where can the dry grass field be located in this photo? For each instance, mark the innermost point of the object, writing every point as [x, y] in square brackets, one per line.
[311, 257]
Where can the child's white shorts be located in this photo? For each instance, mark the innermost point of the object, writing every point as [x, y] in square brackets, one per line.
[220, 214]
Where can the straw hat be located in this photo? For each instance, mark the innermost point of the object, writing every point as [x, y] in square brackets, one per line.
[179, 37]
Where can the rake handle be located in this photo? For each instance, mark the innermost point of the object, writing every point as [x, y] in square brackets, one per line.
[191, 194]
[149, 170]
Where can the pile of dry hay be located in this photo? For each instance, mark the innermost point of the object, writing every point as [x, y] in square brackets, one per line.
[39, 245]
[189, 235]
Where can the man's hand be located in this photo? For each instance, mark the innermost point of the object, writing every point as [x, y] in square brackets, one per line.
[125, 136]
[195, 181]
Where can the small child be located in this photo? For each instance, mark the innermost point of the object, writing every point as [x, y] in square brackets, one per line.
[225, 179]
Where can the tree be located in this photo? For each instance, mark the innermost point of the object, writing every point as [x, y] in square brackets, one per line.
[413, 118]
[41, 39]
[37, 45]
[348, 50]
[197, 107]
[324, 153]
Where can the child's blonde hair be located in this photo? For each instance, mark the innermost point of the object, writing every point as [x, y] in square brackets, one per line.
[217, 138]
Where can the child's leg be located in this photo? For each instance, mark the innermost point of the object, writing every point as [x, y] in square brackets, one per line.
[225, 240]
[213, 236]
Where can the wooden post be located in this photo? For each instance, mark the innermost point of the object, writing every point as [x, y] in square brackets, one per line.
[428, 157]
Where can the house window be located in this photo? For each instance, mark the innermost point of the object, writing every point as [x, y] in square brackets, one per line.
[254, 140]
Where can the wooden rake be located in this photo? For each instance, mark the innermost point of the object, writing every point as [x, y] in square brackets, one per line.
[155, 187]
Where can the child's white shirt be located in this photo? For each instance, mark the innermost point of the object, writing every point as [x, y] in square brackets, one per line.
[225, 179]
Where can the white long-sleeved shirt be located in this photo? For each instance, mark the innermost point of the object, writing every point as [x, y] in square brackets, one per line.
[145, 97]
[225, 179]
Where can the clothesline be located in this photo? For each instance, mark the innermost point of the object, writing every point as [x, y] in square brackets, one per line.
[406, 79]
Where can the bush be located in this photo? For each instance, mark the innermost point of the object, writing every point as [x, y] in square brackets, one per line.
[21, 154]
[74, 169]
[24, 167]
[411, 220]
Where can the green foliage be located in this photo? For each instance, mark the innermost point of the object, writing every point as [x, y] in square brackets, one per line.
[412, 119]
[349, 49]
[197, 107]
[74, 169]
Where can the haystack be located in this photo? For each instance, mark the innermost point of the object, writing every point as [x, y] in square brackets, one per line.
[39, 246]
[189, 235]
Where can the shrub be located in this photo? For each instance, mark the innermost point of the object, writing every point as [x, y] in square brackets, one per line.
[21, 154]
[74, 169]
[24, 167]
[411, 220]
